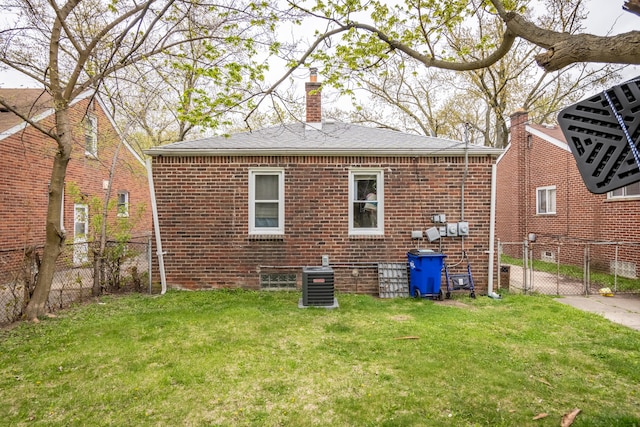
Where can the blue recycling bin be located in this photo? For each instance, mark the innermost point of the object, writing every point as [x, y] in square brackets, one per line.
[425, 275]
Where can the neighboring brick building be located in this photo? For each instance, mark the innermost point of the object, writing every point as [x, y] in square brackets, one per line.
[25, 171]
[540, 191]
[251, 210]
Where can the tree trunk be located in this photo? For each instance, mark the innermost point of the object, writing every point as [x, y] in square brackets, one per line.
[55, 235]
[98, 273]
[97, 269]
[502, 131]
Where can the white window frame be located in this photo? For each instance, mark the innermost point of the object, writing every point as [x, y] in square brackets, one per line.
[547, 191]
[378, 230]
[80, 245]
[124, 212]
[91, 131]
[622, 193]
[279, 229]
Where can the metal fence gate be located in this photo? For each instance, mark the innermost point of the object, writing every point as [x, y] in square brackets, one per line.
[561, 268]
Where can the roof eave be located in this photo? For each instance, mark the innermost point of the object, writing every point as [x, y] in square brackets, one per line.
[406, 152]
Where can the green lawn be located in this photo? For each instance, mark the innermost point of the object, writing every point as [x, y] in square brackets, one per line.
[236, 358]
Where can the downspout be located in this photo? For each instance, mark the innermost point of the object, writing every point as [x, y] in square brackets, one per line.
[492, 232]
[464, 180]
[156, 227]
[466, 171]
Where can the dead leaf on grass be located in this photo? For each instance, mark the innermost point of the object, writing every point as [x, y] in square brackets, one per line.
[567, 419]
[407, 338]
[540, 416]
[545, 382]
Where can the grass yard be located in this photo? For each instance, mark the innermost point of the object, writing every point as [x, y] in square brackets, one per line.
[242, 358]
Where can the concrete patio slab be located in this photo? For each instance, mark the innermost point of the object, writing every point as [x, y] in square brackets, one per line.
[621, 308]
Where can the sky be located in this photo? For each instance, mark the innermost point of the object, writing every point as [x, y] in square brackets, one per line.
[605, 17]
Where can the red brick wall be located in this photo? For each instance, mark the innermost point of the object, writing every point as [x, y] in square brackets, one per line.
[203, 211]
[25, 172]
[581, 217]
[314, 102]
[510, 208]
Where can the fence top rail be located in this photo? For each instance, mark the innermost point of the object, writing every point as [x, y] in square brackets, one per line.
[143, 240]
[615, 243]
[594, 243]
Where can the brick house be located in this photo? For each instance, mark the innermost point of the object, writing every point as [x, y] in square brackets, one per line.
[252, 209]
[25, 172]
[540, 191]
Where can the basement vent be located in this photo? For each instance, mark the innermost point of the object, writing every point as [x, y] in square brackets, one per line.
[624, 269]
[317, 286]
[548, 256]
[278, 280]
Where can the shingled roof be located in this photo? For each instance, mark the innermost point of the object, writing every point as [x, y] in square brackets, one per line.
[31, 103]
[332, 138]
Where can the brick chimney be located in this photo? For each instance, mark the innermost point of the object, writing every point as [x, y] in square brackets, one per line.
[314, 99]
[519, 117]
[518, 122]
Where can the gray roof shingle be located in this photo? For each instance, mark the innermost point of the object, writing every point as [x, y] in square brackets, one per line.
[334, 138]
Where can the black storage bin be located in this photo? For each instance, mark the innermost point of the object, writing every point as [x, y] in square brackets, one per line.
[505, 276]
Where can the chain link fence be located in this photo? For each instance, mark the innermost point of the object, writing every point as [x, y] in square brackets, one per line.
[568, 268]
[126, 267]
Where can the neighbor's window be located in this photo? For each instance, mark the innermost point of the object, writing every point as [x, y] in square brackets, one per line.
[546, 200]
[366, 199]
[266, 201]
[631, 190]
[91, 135]
[123, 203]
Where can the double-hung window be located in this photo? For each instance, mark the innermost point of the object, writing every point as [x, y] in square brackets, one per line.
[546, 200]
[91, 135]
[631, 190]
[366, 202]
[123, 203]
[266, 201]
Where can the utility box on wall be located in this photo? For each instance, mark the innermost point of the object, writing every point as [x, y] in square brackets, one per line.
[318, 287]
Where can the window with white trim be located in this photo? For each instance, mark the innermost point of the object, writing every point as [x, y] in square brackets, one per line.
[91, 135]
[123, 203]
[631, 190]
[546, 200]
[366, 202]
[266, 201]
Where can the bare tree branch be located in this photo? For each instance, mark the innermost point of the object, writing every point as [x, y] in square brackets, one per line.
[564, 49]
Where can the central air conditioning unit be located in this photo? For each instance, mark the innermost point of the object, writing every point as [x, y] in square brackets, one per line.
[318, 287]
